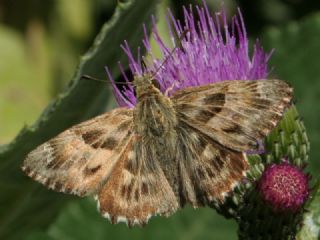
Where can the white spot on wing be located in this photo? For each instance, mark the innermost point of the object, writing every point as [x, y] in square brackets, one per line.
[122, 219]
[106, 215]
[136, 221]
[148, 217]
[207, 152]
[131, 155]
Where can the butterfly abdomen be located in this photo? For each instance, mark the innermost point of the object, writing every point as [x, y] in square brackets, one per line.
[155, 121]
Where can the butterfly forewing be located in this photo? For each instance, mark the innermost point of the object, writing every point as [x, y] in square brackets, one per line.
[235, 113]
[79, 159]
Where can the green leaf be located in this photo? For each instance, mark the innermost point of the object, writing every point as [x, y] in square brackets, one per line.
[296, 60]
[24, 204]
[80, 220]
[311, 222]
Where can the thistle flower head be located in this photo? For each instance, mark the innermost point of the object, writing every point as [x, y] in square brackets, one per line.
[211, 51]
[284, 187]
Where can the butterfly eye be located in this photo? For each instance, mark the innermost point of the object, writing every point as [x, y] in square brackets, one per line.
[155, 83]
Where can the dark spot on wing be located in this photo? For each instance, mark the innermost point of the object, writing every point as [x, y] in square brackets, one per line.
[51, 164]
[219, 162]
[55, 163]
[202, 143]
[144, 189]
[235, 128]
[259, 103]
[92, 138]
[57, 157]
[239, 161]
[113, 219]
[129, 189]
[210, 172]
[129, 165]
[124, 126]
[184, 107]
[33, 175]
[124, 191]
[213, 99]
[47, 182]
[58, 186]
[90, 171]
[200, 172]
[136, 195]
[206, 115]
[68, 189]
[110, 143]
[27, 170]
[252, 85]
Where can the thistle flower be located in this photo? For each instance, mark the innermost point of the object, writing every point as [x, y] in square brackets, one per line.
[207, 54]
[284, 187]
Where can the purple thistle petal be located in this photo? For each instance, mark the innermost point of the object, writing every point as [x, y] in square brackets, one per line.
[210, 52]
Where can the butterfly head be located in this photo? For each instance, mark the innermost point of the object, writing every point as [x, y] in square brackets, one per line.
[146, 85]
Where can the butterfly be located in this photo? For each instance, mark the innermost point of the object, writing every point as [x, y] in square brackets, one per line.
[166, 151]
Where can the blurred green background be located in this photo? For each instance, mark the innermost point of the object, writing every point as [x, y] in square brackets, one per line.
[41, 44]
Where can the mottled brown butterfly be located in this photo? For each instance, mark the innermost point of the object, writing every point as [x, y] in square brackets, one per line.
[166, 151]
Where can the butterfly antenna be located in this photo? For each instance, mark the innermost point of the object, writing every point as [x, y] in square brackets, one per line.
[87, 77]
[182, 36]
[143, 64]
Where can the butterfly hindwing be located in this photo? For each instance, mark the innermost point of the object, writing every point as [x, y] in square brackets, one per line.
[79, 159]
[208, 170]
[137, 187]
[235, 113]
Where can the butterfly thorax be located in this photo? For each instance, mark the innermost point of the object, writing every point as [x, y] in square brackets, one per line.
[154, 114]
